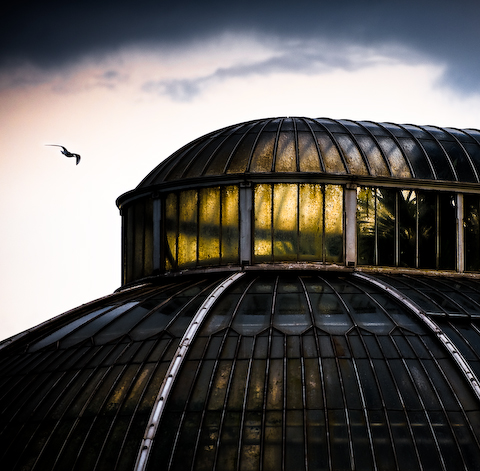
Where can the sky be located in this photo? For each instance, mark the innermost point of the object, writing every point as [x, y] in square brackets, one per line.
[125, 84]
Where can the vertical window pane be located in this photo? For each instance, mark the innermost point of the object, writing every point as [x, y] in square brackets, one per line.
[427, 233]
[366, 226]
[407, 214]
[209, 226]
[230, 229]
[171, 224]
[285, 205]
[310, 222]
[472, 232]
[386, 216]
[447, 232]
[263, 223]
[187, 231]
[333, 223]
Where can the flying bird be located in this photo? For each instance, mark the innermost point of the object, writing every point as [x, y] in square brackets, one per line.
[66, 152]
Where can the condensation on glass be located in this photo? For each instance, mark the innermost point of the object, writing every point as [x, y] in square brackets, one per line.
[202, 227]
[406, 228]
[298, 222]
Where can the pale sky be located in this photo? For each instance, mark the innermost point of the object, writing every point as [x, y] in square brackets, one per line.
[126, 84]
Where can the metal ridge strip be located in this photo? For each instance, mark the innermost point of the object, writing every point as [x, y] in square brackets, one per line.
[447, 343]
[174, 368]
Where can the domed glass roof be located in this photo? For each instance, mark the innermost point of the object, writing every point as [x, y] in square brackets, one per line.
[296, 294]
[292, 371]
[298, 145]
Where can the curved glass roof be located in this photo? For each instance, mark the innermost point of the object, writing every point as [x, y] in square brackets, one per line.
[341, 147]
[286, 371]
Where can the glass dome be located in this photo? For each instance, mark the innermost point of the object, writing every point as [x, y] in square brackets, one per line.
[297, 294]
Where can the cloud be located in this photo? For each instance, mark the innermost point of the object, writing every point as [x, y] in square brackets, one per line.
[299, 57]
[56, 34]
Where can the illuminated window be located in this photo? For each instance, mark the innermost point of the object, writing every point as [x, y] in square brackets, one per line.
[298, 222]
[202, 227]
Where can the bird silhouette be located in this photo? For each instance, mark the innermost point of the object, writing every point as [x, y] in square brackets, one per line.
[66, 152]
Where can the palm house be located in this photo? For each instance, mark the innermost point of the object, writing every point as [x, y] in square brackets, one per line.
[297, 294]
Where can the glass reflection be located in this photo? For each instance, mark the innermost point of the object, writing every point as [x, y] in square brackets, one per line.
[406, 228]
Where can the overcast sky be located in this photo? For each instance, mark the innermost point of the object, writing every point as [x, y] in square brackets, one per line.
[125, 84]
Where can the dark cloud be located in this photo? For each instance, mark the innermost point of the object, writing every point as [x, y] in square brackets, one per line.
[53, 34]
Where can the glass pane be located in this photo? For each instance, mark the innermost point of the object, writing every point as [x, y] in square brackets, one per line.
[407, 214]
[187, 232]
[209, 226]
[415, 155]
[263, 223]
[329, 313]
[230, 225]
[471, 220]
[310, 222]
[398, 163]
[386, 216]
[263, 154]
[309, 158]
[171, 226]
[329, 152]
[427, 230]
[377, 164]
[64, 331]
[285, 157]
[354, 159]
[366, 226]
[333, 223]
[285, 236]
[447, 232]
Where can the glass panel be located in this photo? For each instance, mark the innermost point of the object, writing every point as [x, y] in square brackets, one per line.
[209, 226]
[329, 313]
[354, 159]
[377, 164]
[366, 226]
[263, 154]
[333, 223]
[93, 327]
[447, 232]
[171, 228]
[386, 216]
[285, 157]
[285, 236]
[310, 222]
[407, 215]
[187, 231]
[230, 225]
[309, 158]
[64, 331]
[263, 223]
[393, 153]
[439, 160]
[427, 232]
[329, 152]
[471, 220]
[417, 158]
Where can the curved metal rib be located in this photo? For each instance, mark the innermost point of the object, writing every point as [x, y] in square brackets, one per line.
[173, 370]
[446, 342]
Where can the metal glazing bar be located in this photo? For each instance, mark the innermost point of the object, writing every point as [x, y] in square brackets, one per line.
[446, 342]
[157, 234]
[245, 220]
[460, 265]
[173, 370]
[350, 225]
